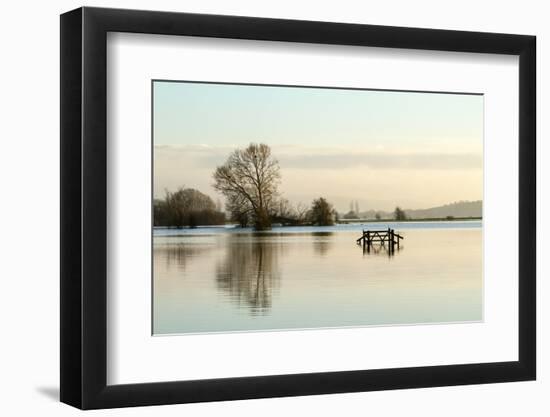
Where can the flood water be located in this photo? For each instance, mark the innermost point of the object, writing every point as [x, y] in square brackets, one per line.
[218, 279]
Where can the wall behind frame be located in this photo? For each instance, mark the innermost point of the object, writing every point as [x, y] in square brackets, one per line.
[29, 175]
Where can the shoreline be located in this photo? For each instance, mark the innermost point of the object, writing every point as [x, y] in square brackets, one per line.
[346, 222]
[425, 219]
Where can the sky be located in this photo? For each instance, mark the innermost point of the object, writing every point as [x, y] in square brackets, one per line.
[379, 148]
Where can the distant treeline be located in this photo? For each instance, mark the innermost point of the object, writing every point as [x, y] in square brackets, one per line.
[456, 210]
[186, 207]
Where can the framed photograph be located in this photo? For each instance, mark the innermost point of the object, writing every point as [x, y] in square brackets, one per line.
[258, 207]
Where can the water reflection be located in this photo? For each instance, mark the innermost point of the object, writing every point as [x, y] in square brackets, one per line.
[244, 281]
[180, 255]
[250, 272]
[380, 250]
[322, 242]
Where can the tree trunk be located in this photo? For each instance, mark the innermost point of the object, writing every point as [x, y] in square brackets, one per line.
[263, 222]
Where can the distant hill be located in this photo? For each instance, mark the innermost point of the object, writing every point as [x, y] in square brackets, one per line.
[457, 209]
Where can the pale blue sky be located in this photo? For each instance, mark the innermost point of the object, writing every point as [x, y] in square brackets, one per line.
[426, 138]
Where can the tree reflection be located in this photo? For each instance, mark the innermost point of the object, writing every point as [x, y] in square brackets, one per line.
[322, 242]
[250, 272]
[179, 255]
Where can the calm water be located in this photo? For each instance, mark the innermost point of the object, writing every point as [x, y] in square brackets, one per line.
[217, 279]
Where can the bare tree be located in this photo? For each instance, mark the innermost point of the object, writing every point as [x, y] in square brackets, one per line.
[250, 178]
[301, 212]
[239, 210]
[322, 213]
[186, 207]
[399, 214]
[283, 210]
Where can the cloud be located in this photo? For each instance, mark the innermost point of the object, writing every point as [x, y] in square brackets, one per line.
[301, 157]
[384, 161]
[378, 178]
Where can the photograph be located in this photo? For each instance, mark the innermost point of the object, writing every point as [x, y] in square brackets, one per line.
[282, 207]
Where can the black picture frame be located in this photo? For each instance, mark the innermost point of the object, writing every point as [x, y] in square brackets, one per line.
[84, 207]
